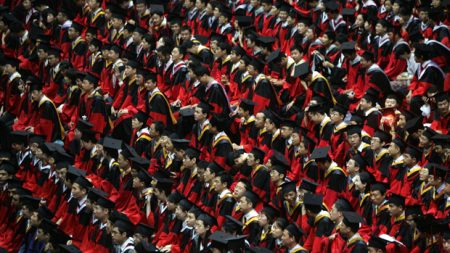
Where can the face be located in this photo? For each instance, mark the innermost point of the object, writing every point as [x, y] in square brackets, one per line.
[156, 19]
[325, 40]
[275, 176]
[239, 190]
[34, 219]
[296, 55]
[176, 54]
[77, 191]
[395, 210]
[354, 140]
[359, 22]
[190, 219]
[358, 184]
[375, 143]
[86, 85]
[351, 166]
[446, 245]
[100, 212]
[4, 176]
[117, 237]
[364, 104]
[208, 176]
[376, 197]
[336, 117]
[72, 33]
[269, 125]
[179, 213]
[335, 214]
[185, 35]
[200, 227]
[291, 197]
[260, 120]
[218, 186]
[251, 160]
[393, 149]
[199, 115]
[244, 204]
[36, 95]
[52, 60]
[286, 132]
[123, 162]
[286, 238]
[443, 107]
[140, 8]
[263, 221]
[277, 232]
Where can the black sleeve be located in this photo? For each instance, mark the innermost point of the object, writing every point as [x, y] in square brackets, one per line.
[337, 181]
[324, 227]
[227, 207]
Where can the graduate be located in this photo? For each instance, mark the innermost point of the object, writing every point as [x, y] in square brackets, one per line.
[349, 230]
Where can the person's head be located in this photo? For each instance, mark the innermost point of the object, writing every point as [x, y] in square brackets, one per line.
[260, 120]
[185, 34]
[367, 102]
[354, 136]
[156, 129]
[377, 194]
[121, 231]
[203, 224]
[328, 38]
[213, 170]
[239, 189]
[442, 103]
[248, 201]
[255, 157]
[80, 188]
[190, 158]
[396, 147]
[297, 53]
[201, 112]
[362, 181]
[222, 182]
[316, 113]
[102, 208]
[178, 53]
[75, 30]
[202, 74]
[291, 235]
[337, 210]
[278, 227]
[350, 224]
[396, 205]
[367, 59]
[191, 216]
[422, 53]
[89, 83]
[411, 156]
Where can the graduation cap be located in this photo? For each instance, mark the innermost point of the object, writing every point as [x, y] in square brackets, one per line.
[232, 225]
[377, 243]
[224, 10]
[288, 123]
[111, 143]
[257, 64]
[54, 51]
[185, 204]
[413, 124]
[288, 187]
[436, 170]
[8, 167]
[265, 40]
[44, 212]
[239, 50]
[19, 137]
[157, 9]
[308, 185]
[348, 46]
[342, 109]
[244, 21]
[273, 116]
[69, 248]
[83, 182]
[320, 153]
[441, 139]
[397, 200]
[414, 152]
[371, 95]
[30, 202]
[295, 231]
[247, 104]
[348, 12]
[122, 222]
[224, 241]
[164, 184]
[360, 162]
[195, 210]
[174, 197]
[180, 144]
[187, 112]
[399, 143]
[441, 96]
[217, 122]
[217, 37]
[258, 153]
[331, 5]
[192, 152]
[260, 250]
[47, 225]
[352, 220]
[353, 129]
[413, 210]
[215, 168]
[12, 61]
[146, 247]
[429, 133]
[84, 125]
[92, 78]
[252, 196]
[144, 230]
[128, 152]
[77, 26]
[301, 70]
[278, 158]
[207, 219]
[105, 202]
[312, 201]
[140, 162]
[384, 136]
[94, 194]
[270, 211]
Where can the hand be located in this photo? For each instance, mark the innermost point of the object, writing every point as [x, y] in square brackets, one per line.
[224, 80]
[29, 129]
[289, 106]
[131, 21]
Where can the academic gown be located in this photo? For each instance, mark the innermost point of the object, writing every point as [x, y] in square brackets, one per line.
[47, 121]
[260, 181]
[158, 109]
[77, 53]
[321, 226]
[264, 94]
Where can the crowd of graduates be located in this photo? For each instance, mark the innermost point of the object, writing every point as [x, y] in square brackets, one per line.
[224, 126]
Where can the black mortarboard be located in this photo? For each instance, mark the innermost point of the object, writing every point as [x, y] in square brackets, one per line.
[8, 167]
[289, 187]
[360, 162]
[348, 12]
[413, 210]
[414, 152]
[83, 182]
[377, 243]
[30, 202]
[128, 152]
[270, 211]
[84, 125]
[342, 109]
[400, 143]
[295, 231]
[180, 144]
[348, 46]
[219, 240]
[352, 220]
[232, 224]
[105, 202]
[69, 248]
[141, 116]
[187, 112]
[247, 105]
[331, 5]
[91, 78]
[244, 21]
[111, 143]
[266, 40]
[429, 133]
[301, 70]
[144, 230]
[257, 64]
[174, 197]
[157, 9]
[94, 194]
[320, 153]
[371, 95]
[57, 236]
[193, 152]
[436, 170]
[280, 169]
[441, 139]
[77, 26]
[288, 123]
[308, 185]
[312, 200]
[397, 200]
[146, 247]
[258, 153]
[47, 225]
[164, 184]
[97, 43]
[12, 61]
[384, 136]
[274, 117]
[44, 212]
[122, 222]
[239, 50]
[353, 129]
[413, 124]
[140, 162]
[185, 204]
[207, 219]
[278, 158]
[19, 137]
[252, 196]
[215, 168]
[36, 138]
[73, 173]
